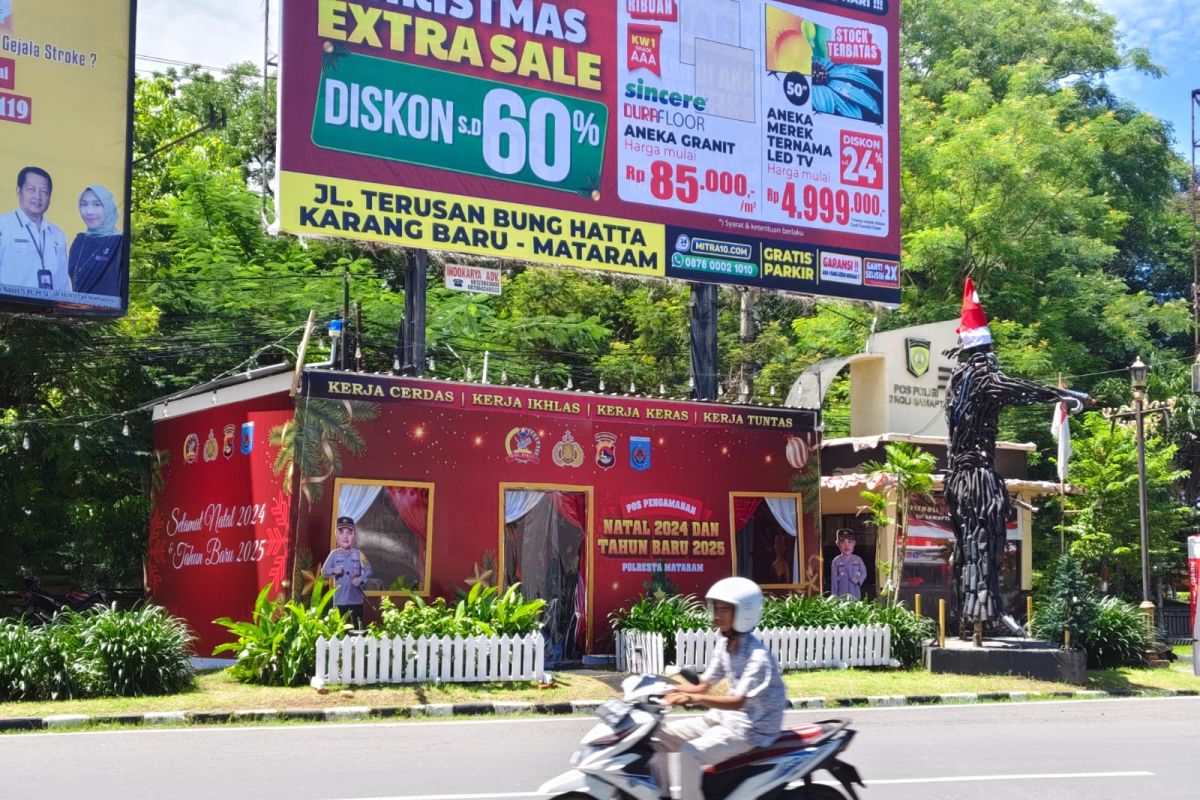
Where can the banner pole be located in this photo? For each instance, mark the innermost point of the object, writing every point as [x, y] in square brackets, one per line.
[705, 353]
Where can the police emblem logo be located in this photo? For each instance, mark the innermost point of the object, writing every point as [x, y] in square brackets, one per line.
[191, 449]
[247, 438]
[567, 453]
[639, 453]
[606, 450]
[211, 448]
[523, 446]
[918, 356]
[227, 443]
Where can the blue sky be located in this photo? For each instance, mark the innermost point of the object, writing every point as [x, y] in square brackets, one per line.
[220, 32]
[1168, 28]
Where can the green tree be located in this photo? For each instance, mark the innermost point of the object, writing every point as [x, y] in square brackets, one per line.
[906, 473]
[1103, 523]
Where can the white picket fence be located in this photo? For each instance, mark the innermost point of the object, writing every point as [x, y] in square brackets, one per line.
[365, 659]
[639, 652]
[801, 648]
[794, 648]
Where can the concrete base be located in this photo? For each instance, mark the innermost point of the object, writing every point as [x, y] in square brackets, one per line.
[1030, 658]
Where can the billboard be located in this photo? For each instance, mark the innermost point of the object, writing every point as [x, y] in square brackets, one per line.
[66, 91]
[747, 142]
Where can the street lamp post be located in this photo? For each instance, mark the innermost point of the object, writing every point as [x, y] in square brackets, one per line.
[1138, 373]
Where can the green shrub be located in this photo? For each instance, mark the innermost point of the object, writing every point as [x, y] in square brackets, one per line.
[144, 651]
[278, 646]
[1109, 630]
[1117, 636]
[667, 615]
[484, 611]
[39, 663]
[663, 614]
[815, 611]
[103, 652]
[909, 631]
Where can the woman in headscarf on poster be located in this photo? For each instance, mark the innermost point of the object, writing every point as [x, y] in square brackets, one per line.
[96, 254]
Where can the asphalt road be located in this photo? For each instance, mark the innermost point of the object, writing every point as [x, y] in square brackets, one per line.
[1072, 749]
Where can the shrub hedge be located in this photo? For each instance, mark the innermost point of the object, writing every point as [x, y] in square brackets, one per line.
[101, 652]
[668, 614]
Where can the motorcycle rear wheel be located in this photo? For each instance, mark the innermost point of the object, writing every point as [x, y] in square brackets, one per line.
[814, 792]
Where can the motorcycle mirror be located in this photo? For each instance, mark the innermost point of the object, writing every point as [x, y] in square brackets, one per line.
[689, 675]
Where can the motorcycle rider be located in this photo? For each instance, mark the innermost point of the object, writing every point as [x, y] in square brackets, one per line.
[750, 715]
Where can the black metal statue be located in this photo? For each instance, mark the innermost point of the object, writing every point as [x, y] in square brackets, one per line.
[975, 493]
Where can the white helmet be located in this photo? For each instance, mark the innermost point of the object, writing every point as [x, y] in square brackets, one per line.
[745, 597]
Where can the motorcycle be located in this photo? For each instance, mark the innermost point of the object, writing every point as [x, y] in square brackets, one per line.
[40, 606]
[613, 762]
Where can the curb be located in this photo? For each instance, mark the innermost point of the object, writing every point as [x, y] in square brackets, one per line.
[509, 708]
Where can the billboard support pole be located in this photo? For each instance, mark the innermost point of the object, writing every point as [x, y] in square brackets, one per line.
[416, 287]
[703, 325]
[344, 344]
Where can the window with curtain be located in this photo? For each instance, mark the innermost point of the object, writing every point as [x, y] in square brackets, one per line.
[545, 532]
[393, 522]
[766, 543]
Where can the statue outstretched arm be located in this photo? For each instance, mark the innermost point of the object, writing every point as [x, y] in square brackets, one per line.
[1019, 392]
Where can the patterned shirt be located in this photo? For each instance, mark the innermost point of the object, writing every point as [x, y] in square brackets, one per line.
[753, 674]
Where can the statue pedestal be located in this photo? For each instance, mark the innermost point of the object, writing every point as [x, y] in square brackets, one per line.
[1030, 658]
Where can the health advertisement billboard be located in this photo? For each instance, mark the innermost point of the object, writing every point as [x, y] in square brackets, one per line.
[745, 142]
[66, 89]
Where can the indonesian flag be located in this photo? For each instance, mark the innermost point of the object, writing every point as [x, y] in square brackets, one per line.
[1060, 429]
[973, 329]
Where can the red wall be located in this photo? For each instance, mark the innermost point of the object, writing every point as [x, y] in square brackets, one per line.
[454, 436]
[219, 526]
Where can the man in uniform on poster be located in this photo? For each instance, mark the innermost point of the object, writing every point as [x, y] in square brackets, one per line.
[848, 570]
[33, 250]
[350, 571]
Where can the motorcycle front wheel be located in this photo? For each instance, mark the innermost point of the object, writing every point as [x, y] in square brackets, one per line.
[814, 792]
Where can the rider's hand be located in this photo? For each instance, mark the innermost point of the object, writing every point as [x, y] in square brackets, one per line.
[678, 699]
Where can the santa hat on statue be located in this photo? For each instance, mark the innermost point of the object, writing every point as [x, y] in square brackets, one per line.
[973, 330]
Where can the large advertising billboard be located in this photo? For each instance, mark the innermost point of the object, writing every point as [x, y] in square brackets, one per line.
[747, 142]
[66, 88]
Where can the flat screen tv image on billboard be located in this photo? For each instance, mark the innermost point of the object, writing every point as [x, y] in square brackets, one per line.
[743, 142]
[65, 101]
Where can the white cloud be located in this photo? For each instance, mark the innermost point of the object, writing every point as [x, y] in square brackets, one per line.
[1167, 27]
[214, 33]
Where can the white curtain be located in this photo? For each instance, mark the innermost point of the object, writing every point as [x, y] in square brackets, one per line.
[784, 511]
[355, 498]
[518, 503]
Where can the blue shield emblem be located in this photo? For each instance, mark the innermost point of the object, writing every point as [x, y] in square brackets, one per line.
[639, 453]
[247, 438]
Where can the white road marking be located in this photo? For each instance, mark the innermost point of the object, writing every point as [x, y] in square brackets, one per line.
[1045, 776]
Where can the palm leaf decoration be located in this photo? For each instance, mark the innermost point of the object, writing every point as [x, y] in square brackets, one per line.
[313, 442]
[159, 461]
[807, 484]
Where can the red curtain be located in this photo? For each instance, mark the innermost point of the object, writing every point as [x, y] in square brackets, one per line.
[412, 504]
[743, 510]
[571, 506]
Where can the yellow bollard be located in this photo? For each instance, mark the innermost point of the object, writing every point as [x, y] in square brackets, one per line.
[1029, 614]
[917, 604]
[941, 623]
[1067, 638]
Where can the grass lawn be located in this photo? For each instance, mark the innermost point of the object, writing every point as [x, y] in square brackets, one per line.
[216, 691]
